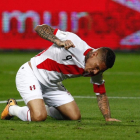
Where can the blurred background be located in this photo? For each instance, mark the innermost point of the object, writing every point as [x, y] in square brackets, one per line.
[110, 23]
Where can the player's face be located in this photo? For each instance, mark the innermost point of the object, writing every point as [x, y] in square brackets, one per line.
[93, 65]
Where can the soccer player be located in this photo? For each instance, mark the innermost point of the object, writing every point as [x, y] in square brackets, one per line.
[39, 81]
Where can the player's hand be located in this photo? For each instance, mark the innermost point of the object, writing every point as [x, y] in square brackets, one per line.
[112, 120]
[66, 44]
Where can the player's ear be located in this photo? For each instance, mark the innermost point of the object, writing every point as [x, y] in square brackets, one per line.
[94, 53]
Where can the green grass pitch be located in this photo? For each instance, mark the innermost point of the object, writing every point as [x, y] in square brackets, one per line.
[123, 90]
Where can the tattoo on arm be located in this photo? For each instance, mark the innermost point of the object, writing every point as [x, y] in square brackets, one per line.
[46, 32]
[103, 104]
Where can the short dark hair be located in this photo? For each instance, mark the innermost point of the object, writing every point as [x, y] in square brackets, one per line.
[108, 56]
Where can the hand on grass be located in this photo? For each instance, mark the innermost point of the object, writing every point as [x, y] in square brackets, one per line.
[112, 120]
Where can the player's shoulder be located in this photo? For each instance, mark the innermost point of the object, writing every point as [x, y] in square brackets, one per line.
[68, 35]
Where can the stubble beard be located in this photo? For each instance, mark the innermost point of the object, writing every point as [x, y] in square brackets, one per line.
[88, 55]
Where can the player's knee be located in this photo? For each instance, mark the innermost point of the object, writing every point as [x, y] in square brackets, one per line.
[75, 116]
[40, 116]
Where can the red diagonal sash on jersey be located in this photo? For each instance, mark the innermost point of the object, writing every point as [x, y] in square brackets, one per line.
[52, 65]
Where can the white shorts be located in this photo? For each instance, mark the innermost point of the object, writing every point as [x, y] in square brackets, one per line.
[30, 88]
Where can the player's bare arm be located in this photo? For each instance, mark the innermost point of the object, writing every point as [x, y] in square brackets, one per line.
[103, 104]
[46, 32]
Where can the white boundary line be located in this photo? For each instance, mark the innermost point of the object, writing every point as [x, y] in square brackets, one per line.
[18, 100]
[108, 97]
[88, 97]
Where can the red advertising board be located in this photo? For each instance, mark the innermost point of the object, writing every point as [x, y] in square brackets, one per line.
[110, 23]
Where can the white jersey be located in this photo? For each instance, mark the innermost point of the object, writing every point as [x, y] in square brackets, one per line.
[55, 64]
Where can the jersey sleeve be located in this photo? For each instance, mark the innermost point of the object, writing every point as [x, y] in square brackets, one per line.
[98, 84]
[80, 44]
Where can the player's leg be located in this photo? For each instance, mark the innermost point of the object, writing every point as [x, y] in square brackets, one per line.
[54, 113]
[70, 111]
[61, 104]
[30, 90]
[22, 113]
[67, 111]
[37, 110]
